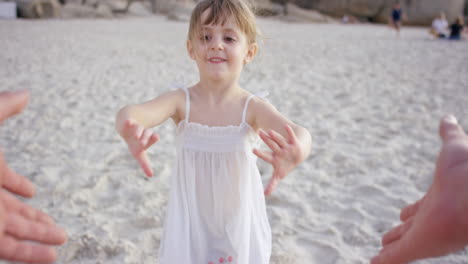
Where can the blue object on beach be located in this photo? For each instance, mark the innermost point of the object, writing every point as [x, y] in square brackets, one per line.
[8, 10]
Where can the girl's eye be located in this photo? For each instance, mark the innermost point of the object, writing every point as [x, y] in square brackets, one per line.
[229, 39]
[206, 37]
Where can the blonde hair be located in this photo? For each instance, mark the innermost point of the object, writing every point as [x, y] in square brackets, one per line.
[220, 11]
[442, 15]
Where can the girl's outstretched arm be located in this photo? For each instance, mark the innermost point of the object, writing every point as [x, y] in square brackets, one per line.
[151, 113]
[133, 123]
[289, 143]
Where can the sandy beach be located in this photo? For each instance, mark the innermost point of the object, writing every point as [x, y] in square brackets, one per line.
[370, 100]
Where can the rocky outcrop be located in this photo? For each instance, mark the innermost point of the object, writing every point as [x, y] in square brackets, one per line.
[297, 14]
[419, 12]
[74, 10]
[110, 8]
[338, 8]
[38, 8]
[466, 8]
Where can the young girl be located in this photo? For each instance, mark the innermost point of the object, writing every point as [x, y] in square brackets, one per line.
[216, 210]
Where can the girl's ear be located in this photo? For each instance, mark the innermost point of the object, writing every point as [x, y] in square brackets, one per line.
[190, 49]
[251, 52]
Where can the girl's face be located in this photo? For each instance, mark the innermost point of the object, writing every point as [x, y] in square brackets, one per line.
[220, 51]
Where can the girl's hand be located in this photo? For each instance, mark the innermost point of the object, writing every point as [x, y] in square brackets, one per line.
[284, 155]
[138, 140]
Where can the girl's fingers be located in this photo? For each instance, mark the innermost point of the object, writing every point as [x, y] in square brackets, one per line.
[268, 141]
[138, 132]
[271, 185]
[264, 155]
[142, 159]
[278, 138]
[292, 138]
[145, 138]
[129, 126]
[131, 129]
[134, 129]
[128, 123]
[153, 139]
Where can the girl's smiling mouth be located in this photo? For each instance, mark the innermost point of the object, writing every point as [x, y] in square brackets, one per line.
[216, 60]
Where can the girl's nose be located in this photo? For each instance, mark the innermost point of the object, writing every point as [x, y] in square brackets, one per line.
[216, 44]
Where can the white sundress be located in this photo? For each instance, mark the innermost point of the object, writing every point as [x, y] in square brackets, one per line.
[216, 210]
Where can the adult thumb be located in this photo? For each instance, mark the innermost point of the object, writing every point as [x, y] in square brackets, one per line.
[2, 220]
[449, 129]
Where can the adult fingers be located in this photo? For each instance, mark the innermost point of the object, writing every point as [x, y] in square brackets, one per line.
[12, 103]
[142, 159]
[264, 155]
[14, 205]
[410, 210]
[14, 182]
[2, 219]
[24, 229]
[20, 251]
[449, 129]
[396, 233]
[398, 252]
[268, 141]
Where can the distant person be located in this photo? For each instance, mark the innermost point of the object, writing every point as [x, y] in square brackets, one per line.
[439, 27]
[456, 29]
[396, 18]
[345, 19]
[348, 19]
[27, 235]
[437, 224]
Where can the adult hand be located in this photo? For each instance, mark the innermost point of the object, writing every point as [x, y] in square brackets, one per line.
[438, 223]
[26, 234]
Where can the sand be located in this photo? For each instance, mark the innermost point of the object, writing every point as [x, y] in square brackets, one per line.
[371, 101]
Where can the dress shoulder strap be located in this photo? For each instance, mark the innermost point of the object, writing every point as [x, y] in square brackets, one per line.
[261, 95]
[187, 104]
[246, 106]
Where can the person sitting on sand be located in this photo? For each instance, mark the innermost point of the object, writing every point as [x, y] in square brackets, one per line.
[349, 19]
[456, 29]
[439, 26]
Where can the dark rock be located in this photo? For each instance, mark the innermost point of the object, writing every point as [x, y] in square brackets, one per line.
[419, 12]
